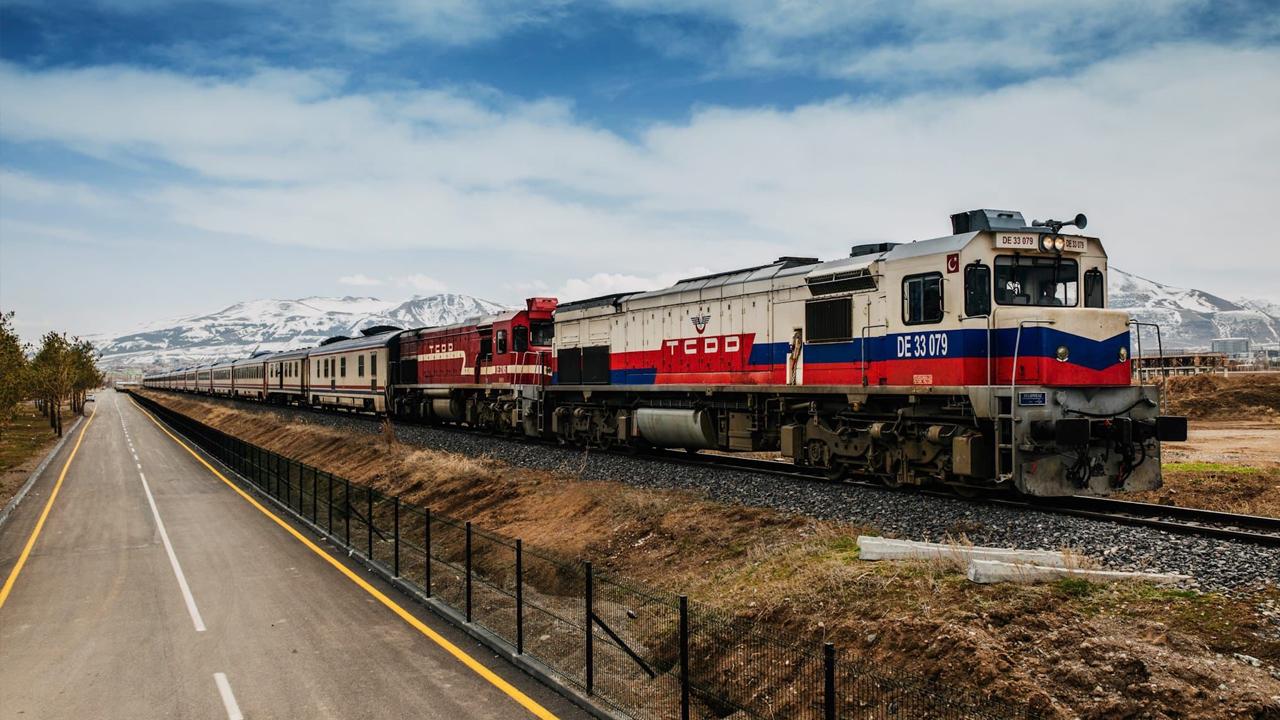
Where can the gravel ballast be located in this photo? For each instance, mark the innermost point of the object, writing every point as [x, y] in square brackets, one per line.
[1213, 563]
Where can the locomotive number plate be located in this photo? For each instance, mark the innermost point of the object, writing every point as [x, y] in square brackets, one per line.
[1018, 241]
[1031, 399]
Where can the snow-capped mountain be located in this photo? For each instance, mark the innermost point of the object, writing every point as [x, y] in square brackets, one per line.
[273, 325]
[1190, 319]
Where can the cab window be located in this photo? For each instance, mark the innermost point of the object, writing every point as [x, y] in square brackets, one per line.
[502, 342]
[542, 333]
[977, 290]
[922, 299]
[1043, 281]
[520, 338]
[1094, 289]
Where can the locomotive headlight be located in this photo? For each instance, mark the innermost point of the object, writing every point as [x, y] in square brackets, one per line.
[1059, 243]
[1063, 353]
[1046, 242]
[1124, 353]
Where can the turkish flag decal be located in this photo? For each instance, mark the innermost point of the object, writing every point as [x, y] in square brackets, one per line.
[953, 263]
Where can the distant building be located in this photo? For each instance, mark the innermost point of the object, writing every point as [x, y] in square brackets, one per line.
[1234, 348]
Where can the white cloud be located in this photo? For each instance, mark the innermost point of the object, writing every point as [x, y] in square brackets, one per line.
[359, 280]
[909, 42]
[1166, 151]
[422, 283]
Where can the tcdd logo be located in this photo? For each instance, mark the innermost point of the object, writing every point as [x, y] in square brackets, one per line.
[700, 322]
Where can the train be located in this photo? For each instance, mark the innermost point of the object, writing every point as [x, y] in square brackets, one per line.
[984, 360]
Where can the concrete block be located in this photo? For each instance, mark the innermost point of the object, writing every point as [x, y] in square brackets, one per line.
[878, 548]
[991, 571]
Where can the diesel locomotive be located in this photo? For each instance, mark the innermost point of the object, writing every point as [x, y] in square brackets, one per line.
[985, 359]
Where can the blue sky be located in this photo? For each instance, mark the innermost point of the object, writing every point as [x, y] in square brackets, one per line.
[160, 158]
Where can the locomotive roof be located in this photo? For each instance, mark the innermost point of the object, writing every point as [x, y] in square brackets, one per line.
[783, 267]
[477, 321]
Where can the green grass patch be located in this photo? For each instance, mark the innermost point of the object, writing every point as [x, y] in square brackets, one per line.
[1211, 467]
[1075, 587]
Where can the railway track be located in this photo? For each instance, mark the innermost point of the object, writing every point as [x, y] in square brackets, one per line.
[1253, 529]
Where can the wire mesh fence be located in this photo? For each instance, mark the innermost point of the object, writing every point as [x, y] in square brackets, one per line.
[641, 654]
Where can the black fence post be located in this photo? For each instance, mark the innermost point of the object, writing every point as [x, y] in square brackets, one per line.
[329, 527]
[315, 495]
[426, 551]
[468, 553]
[519, 596]
[590, 602]
[346, 516]
[829, 681]
[684, 657]
[368, 524]
[395, 538]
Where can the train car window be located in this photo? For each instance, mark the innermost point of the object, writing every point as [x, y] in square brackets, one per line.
[373, 364]
[1094, 289]
[342, 366]
[542, 333]
[520, 338]
[1043, 281]
[502, 342]
[828, 320]
[360, 366]
[922, 299]
[977, 289]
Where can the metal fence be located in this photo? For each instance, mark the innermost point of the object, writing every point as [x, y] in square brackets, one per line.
[635, 653]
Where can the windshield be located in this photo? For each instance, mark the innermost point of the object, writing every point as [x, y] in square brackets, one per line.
[1044, 281]
[542, 333]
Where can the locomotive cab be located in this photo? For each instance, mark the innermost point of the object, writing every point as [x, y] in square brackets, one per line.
[1066, 416]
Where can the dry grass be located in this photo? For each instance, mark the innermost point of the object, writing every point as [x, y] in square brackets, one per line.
[25, 440]
[1227, 487]
[1253, 395]
[1068, 648]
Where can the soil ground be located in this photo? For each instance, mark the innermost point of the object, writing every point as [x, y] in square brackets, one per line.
[1231, 460]
[24, 443]
[1069, 649]
[1228, 465]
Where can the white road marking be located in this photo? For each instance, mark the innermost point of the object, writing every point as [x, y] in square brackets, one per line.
[173, 558]
[228, 698]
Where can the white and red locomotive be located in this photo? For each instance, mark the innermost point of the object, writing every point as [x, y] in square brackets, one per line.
[983, 359]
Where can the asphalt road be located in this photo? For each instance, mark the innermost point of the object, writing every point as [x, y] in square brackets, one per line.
[154, 590]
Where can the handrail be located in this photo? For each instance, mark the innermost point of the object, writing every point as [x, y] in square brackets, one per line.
[863, 348]
[1164, 371]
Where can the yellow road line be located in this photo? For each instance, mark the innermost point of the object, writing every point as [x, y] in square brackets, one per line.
[529, 703]
[44, 514]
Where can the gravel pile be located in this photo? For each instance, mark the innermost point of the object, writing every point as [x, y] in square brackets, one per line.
[1215, 564]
